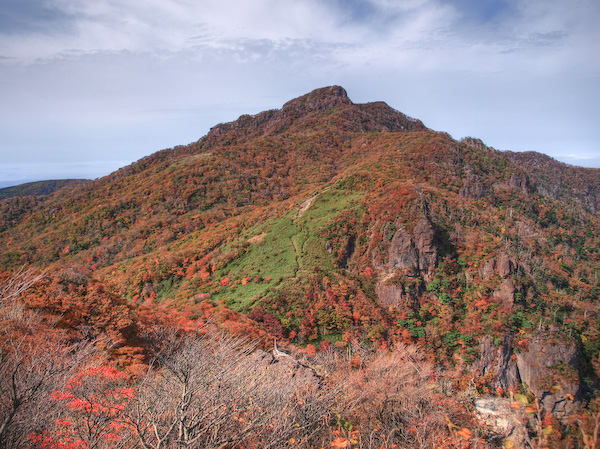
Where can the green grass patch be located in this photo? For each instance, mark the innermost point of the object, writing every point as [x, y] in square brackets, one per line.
[281, 249]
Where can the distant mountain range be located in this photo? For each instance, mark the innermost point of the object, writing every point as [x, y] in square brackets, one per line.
[38, 187]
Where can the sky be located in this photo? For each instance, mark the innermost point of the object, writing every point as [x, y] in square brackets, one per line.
[87, 87]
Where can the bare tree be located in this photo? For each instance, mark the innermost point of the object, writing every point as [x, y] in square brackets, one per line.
[393, 395]
[32, 364]
[211, 392]
[29, 372]
[12, 288]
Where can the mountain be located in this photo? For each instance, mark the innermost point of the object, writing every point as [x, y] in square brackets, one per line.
[337, 224]
[37, 187]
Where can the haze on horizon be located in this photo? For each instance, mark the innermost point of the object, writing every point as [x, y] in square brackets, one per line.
[89, 87]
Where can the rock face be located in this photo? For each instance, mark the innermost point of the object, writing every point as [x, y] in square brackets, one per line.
[505, 266]
[412, 258]
[506, 292]
[502, 265]
[497, 360]
[488, 269]
[417, 252]
[520, 181]
[473, 186]
[505, 422]
[551, 371]
[402, 253]
[426, 248]
[393, 294]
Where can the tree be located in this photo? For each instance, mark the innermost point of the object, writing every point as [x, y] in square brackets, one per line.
[212, 391]
[34, 360]
[14, 285]
[92, 403]
[29, 373]
[394, 405]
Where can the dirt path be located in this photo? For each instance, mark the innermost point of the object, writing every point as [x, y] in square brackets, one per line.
[305, 205]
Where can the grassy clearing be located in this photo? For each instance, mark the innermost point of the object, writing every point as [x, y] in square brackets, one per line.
[281, 249]
[268, 256]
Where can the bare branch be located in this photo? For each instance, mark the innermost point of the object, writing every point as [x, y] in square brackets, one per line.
[18, 283]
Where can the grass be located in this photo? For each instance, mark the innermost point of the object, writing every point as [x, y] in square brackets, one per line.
[268, 257]
[281, 249]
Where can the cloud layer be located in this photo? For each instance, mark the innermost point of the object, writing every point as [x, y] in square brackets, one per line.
[115, 80]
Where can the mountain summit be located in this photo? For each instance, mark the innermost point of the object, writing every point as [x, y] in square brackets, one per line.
[318, 108]
[319, 99]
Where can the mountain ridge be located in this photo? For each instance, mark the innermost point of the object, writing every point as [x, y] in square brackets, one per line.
[329, 221]
[44, 187]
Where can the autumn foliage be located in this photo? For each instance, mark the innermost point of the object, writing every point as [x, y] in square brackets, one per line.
[410, 271]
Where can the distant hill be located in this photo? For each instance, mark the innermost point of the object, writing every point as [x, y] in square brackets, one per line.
[341, 225]
[38, 187]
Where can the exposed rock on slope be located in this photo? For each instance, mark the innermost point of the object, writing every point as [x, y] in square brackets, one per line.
[497, 361]
[506, 423]
[551, 371]
[410, 255]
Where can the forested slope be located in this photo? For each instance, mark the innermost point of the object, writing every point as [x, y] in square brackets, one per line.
[343, 230]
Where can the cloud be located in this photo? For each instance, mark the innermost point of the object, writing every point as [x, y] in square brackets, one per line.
[128, 78]
[22, 17]
[581, 160]
[460, 33]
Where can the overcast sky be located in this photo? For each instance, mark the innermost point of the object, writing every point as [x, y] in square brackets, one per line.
[88, 86]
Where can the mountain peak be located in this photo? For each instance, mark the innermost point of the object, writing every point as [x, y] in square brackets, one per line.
[306, 110]
[319, 99]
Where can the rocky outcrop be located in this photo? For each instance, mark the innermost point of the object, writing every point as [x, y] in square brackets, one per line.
[391, 292]
[473, 186]
[497, 360]
[505, 266]
[487, 269]
[501, 265]
[551, 371]
[520, 181]
[412, 258]
[426, 247]
[415, 252]
[505, 422]
[402, 252]
[505, 293]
